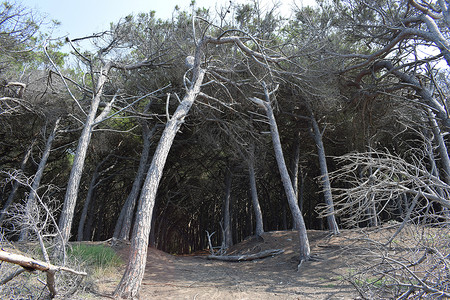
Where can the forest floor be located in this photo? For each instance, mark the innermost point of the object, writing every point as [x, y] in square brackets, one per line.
[196, 277]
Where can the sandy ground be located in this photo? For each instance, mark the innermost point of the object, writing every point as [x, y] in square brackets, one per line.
[195, 277]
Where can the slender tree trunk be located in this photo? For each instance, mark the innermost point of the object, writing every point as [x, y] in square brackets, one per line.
[130, 203]
[70, 199]
[227, 239]
[259, 230]
[302, 189]
[332, 224]
[16, 184]
[130, 283]
[285, 178]
[294, 167]
[295, 163]
[90, 195]
[31, 199]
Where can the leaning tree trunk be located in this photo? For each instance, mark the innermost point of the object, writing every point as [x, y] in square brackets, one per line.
[295, 163]
[123, 226]
[285, 178]
[259, 230]
[294, 167]
[90, 195]
[16, 184]
[31, 199]
[332, 224]
[227, 238]
[130, 283]
[70, 199]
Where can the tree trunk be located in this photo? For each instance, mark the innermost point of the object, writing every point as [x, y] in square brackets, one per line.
[16, 184]
[325, 179]
[70, 199]
[295, 164]
[227, 239]
[130, 203]
[89, 197]
[302, 189]
[259, 230]
[90, 194]
[285, 178]
[294, 167]
[31, 199]
[130, 283]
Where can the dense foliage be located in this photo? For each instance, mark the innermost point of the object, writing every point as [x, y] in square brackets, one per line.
[359, 69]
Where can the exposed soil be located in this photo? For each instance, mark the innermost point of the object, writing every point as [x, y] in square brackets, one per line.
[195, 277]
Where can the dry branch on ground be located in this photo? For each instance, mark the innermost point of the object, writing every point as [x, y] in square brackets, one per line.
[31, 264]
[247, 257]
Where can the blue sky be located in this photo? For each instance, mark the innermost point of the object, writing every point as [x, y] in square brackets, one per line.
[83, 17]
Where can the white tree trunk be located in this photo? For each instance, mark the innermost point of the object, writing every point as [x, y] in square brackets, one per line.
[259, 230]
[37, 178]
[130, 203]
[285, 178]
[227, 238]
[70, 199]
[331, 219]
[130, 283]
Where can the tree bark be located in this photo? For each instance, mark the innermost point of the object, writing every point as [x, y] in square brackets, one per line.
[295, 164]
[325, 179]
[285, 178]
[259, 230]
[247, 257]
[125, 227]
[70, 199]
[227, 239]
[90, 195]
[130, 283]
[31, 199]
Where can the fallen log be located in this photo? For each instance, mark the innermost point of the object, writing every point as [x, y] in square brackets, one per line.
[247, 257]
[31, 264]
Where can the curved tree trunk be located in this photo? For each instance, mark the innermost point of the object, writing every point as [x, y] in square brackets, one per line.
[285, 178]
[130, 283]
[31, 199]
[70, 199]
[331, 219]
[259, 230]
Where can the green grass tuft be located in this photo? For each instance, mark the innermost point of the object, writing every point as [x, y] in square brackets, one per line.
[96, 255]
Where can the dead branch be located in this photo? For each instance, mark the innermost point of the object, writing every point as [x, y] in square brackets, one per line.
[393, 176]
[247, 257]
[31, 264]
